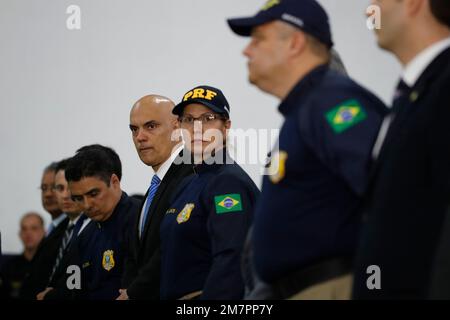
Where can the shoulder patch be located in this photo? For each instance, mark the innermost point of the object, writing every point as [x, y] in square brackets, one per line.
[345, 115]
[228, 203]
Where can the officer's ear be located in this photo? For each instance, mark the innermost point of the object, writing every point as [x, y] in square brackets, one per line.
[227, 124]
[298, 43]
[114, 181]
[175, 123]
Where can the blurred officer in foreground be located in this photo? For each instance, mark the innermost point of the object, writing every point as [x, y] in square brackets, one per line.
[410, 193]
[102, 246]
[307, 220]
[204, 229]
[152, 125]
[15, 270]
[255, 288]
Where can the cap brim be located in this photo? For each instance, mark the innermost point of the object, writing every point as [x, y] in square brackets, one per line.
[178, 109]
[244, 26]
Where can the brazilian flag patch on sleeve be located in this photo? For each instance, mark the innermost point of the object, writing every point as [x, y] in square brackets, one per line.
[345, 115]
[228, 203]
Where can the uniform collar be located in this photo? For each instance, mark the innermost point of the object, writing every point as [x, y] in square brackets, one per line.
[116, 210]
[211, 164]
[302, 89]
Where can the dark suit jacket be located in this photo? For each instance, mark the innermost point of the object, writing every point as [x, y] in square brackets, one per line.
[71, 257]
[142, 269]
[42, 263]
[440, 274]
[410, 191]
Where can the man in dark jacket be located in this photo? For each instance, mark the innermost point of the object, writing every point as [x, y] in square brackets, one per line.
[152, 125]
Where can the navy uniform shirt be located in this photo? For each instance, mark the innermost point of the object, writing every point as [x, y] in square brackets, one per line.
[308, 208]
[102, 253]
[203, 232]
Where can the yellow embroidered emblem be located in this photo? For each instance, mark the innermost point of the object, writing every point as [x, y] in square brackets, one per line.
[277, 169]
[269, 4]
[108, 260]
[185, 214]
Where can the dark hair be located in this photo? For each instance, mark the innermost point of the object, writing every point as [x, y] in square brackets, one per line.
[33, 214]
[51, 167]
[92, 162]
[441, 11]
[61, 165]
[114, 156]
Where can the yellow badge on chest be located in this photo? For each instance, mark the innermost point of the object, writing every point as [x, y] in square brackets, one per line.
[108, 260]
[277, 169]
[185, 214]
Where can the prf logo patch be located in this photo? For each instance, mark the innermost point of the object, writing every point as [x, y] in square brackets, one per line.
[185, 214]
[345, 115]
[200, 93]
[228, 203]
[108, 260]
[269, 4]
[277, 169]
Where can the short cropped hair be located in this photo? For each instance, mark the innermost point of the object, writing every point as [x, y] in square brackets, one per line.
[33, 214]
[61, 165]
[441, 11]
[114, 156]
[92, 162]
[51, 167]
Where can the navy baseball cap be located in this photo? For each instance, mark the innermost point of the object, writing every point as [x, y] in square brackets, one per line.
[208, 96]
[307, 15]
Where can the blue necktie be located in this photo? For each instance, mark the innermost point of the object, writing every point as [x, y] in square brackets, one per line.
[151, 194]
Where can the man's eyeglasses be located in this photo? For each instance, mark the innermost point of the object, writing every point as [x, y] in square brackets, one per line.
[46, 187]
[204, 118]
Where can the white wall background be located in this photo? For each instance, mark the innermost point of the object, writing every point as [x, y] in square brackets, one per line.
[62, 89]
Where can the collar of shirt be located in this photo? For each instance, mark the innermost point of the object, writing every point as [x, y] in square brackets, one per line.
[302, 89]
[57, 221]
[114, 214]
[414, 69]
[85, 223]
[166, 165]
[74, 221]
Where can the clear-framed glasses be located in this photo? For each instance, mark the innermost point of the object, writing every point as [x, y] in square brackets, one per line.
[204, 118]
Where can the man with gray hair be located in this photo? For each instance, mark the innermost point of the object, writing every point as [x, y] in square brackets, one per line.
[307, 220]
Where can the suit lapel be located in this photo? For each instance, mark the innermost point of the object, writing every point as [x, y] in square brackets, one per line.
[411, 104]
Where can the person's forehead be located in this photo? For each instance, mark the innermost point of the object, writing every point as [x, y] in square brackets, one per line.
[87, 183]
[60, 178]
[30, 220]
[144, 112]
[48, 177]
[196, 108]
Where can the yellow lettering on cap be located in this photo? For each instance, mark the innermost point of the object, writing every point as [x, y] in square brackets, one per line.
[269, 4]
[187, 95]
[198, 93]
[210, 95]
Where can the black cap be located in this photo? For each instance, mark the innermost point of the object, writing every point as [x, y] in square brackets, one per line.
[307, 15]
[208, 96]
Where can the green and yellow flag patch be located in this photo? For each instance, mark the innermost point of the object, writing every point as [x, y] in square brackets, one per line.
[345, 115]
[228, 203]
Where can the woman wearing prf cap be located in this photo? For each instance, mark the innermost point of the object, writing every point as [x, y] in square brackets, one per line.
[203, 231]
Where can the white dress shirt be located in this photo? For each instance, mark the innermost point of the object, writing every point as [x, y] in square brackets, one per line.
[161, 173]
[411, 73]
